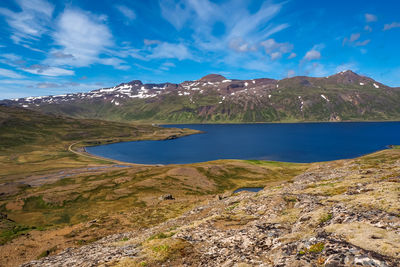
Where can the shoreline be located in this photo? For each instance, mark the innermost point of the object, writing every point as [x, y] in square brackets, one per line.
[85, 153]
[272, 122]
[93, 156]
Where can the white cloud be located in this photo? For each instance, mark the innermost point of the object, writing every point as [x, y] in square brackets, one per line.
[239, 45]
[368, 28]
[292, 55]
[12, 60]
[291, 73]
[247, 25]
[115, 62]
[128, 13]
[167, 65]
[346, 66]
[391, 26]
[10, 74]
[48, 85]
[31, 22]
[271, 45]
[316, 70]
[170, 50]
[370, 17]
[276, 49]
[48, 71]
[151, 42]
[12, 57]
[276, 55]
[175, 12]
[312, 55]
[353, 37]
[239, 30]
[81, 35]
[362, 43]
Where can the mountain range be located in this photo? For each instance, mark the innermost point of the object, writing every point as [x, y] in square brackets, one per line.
[345, 96]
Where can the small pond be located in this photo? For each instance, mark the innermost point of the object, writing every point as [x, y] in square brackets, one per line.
[248, 189]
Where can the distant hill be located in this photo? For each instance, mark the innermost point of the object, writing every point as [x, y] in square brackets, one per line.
[345, 96]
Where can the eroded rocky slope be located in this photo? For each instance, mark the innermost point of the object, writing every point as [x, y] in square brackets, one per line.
[342, 213]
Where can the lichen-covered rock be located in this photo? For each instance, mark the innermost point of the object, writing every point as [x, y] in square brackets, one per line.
[343, 213]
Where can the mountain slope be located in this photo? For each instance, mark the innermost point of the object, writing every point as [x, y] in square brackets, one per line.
[213, 98]
[340, 213]
[32, 142]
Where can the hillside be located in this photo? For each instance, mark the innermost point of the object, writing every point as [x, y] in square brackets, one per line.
[52, 198]
[345, 96]
[341, 213]
[33, 143]
[58, 207]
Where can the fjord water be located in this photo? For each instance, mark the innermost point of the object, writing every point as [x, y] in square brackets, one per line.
[297, 142]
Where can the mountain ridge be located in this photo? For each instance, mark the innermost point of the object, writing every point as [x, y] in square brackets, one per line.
[214, 98]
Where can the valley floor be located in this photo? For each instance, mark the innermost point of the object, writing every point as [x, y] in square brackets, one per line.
[340, 213]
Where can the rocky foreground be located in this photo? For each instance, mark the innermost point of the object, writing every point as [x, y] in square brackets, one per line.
[342, 213]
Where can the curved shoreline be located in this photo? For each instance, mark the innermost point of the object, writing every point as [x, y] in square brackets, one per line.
[86, 154]
[100, 142]
[92, 156]
[272, 122]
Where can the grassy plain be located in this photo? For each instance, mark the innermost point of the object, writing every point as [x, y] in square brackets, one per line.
[53, 195]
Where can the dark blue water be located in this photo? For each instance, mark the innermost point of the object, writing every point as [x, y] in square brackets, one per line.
[300, 142]
[248, 189]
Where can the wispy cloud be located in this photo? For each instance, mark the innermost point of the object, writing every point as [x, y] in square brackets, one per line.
[48, 70]
[31, 22]
[291, 73]
[312, 55]
[353, 37]
[346, 66]
[316, 69]
[167, 66]
[276, 49]
[240, 31]
[370, 17]
[10, 74]
[48, 85]
[368, 28]
[151, 42]
[128, 13]
[391, 26]
[170, 50]
[363, 43]
[83, 37]
[354, 40]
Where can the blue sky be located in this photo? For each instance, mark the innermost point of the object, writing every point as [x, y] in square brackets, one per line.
[54, 47]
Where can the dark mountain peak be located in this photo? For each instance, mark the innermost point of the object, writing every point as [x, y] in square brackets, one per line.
[347, 73]
[132, 83]
[348, 77]
[135, 82]
[213, 78]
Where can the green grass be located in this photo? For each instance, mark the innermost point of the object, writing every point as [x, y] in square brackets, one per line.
[161, 235]
[313, 249]
[10, 230]
[36, 143]
[325, 218]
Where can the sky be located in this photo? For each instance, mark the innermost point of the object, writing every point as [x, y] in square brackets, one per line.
[56, 47]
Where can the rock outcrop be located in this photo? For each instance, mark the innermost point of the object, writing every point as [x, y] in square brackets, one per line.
[343, 213]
